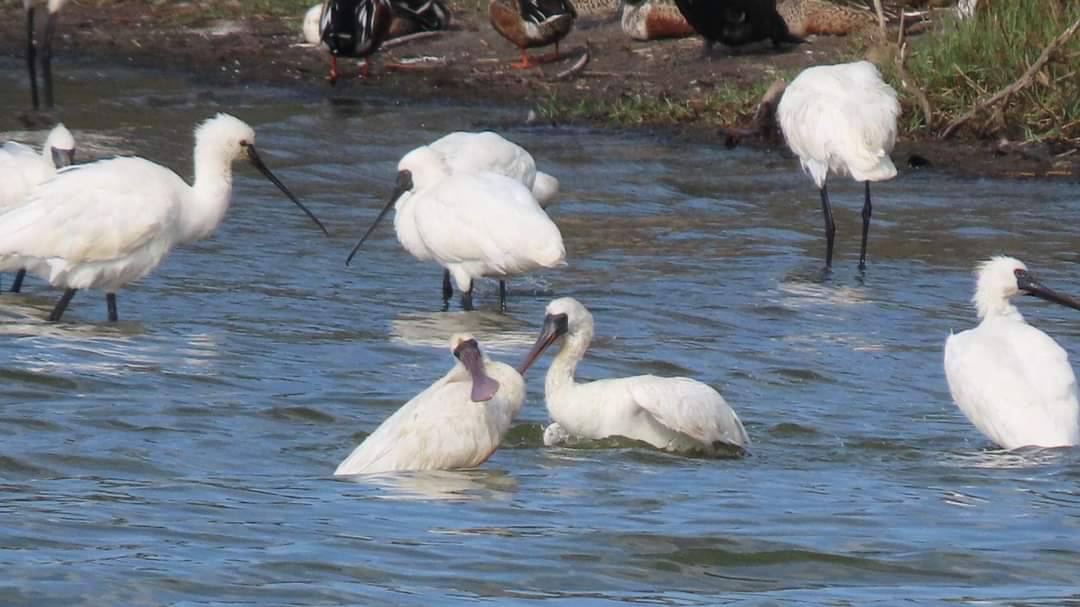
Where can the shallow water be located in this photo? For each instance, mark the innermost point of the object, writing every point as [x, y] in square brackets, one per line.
[184, 455]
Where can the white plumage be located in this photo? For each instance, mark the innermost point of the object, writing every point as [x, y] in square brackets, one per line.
[105, 224]
[311, 25]
[22, 169]
[473, 224]
[457, 422]
[675, 413]
[1013, 381]
[466, 152]
[841, 118]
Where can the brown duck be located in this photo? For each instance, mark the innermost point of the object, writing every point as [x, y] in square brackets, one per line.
[532, 23]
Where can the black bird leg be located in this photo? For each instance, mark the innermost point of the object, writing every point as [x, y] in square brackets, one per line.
[830, 225]
[31, 57]
[447, 288]
[46, 58]
[17, 285]
[62, 305]
[866, 211]
[466, 299]
[502, 295]
[110, 301]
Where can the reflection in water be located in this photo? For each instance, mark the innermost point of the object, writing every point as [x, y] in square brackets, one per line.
[443, 485]
[493, 330]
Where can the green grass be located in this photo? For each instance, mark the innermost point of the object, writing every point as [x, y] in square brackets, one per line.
[727, 106]
[970, 60]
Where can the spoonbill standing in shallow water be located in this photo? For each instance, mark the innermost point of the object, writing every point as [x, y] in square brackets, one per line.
[105, 224]
[841, 118]
[465, 152]
[457, 422]
[674, 413]
[53, 7]
[473, 224]
[1013, 381]
[22, 169]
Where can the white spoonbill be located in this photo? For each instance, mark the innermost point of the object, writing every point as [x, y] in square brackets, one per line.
[105, 224]
[311, 25]
[53, 7]
[1013, 381]
[465, 152]
[841, 118]
[674, 413]
[457, 422]
[473, 224]
[22, 169]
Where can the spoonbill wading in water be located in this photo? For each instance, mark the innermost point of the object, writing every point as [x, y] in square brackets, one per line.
[1013, 381]
[841, 118]
[22, 169]
[673, 413]
[108, 223]
[53, 8]
[473, 224]
[465, 152]
[457, 422]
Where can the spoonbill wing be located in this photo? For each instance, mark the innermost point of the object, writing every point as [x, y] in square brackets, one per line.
[689, 407]
[488, 218]
[93, 212]
[1014, 383]
[21, 168]
[429, 432]
[487, 151]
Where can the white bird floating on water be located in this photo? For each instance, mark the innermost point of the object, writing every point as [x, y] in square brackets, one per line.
[1013, 381]
[673, 413]
[53, 7]
[841, 118]
[105, 224]
[457, 422]
[22, 169]
[474, 224]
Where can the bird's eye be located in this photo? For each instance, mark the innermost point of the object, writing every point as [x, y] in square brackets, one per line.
[243, 143]
[1019, 273]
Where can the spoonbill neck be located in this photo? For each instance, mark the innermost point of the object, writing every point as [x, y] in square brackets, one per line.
[210, 194]
[991, 304]
[560, 374]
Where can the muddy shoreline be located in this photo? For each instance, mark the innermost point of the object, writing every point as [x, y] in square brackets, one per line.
[470, 63]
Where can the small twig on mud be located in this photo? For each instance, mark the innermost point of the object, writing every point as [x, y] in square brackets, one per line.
[1021, 83]
[575, 69]
[391, 43]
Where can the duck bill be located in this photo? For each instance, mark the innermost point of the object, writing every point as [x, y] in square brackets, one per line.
[255, 160]
[1032, 287]
[62, 158]
[404, 184]
[483, 387]
[554, 328]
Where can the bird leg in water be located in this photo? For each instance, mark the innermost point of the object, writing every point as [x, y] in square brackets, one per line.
[466, 299]
[110, 302]
[46, 58]
[502, 295]
[447, 288]
[31, 57]
[17, 285]
[866, 211]
[830, 225]
[61, 305]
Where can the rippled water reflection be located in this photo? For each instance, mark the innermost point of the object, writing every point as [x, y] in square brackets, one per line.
[183, 455]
